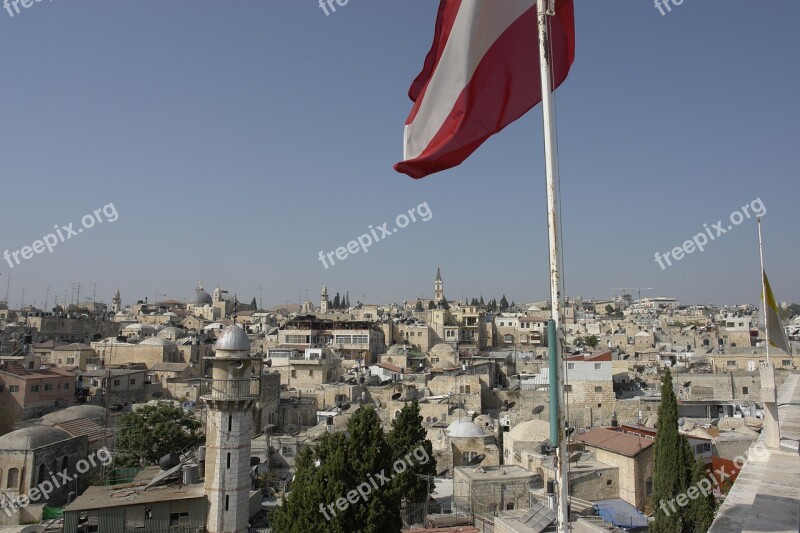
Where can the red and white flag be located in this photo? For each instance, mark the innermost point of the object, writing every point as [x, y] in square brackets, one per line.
[481, 74]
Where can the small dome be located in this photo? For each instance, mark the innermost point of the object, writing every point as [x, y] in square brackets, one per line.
[92, 412]
[443, 349]
[465, 430]
[32, 438]
[233, 339]
[530, 431]
[171, 333]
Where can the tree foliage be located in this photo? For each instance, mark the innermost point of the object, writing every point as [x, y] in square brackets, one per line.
[150, 433]
[675, 471]
[406, 436]
[332, 469]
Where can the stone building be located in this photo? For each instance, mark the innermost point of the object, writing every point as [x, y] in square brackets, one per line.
[632, 455]
[33, 455]
[26, 394]
[488, 489]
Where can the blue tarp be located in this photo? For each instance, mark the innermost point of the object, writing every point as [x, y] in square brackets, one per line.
[620, 513]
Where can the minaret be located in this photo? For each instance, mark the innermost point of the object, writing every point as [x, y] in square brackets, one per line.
[323, 300]
[116, 302]
[438, 288]
[230, 395]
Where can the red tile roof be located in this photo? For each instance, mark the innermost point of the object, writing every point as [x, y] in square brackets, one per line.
[614, 441]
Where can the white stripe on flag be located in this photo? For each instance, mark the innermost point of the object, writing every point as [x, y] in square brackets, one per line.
[478, 25]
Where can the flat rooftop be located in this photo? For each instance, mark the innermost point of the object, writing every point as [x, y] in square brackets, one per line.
[766, 495]
[103, 497]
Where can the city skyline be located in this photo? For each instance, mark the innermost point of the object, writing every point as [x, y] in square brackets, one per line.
[236, 147]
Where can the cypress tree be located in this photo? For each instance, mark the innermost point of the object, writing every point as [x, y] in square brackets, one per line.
[406, 436]
[669, 473]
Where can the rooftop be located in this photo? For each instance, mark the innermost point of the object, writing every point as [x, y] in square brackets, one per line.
[766, 495]
[615, 441]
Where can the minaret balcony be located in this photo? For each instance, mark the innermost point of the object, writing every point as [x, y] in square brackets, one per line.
[230, 389]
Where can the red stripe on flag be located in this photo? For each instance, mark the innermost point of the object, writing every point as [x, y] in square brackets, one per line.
[503, 88]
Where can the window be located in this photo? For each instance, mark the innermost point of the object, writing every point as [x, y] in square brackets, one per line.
[310, 373]
[70, 360]
[786, 362]
[434, 360]
[648, 486]
[41, 476]
[731, 363]
[598, 389]
[1, 387]
[48, 386]
[133, 382]
[66, 386]
[745, 390]
[466, 457]
[294, 373]
[568, 388]
[179, 519]
[116, 383]
[598, 366]
[704, 447]
[287, 451]
[609, 482]
[12, 479]
[34, 388]
[65, 463]
[570, 366]
[465, 389]
[227, 501]
[229, 460]
[508, 338]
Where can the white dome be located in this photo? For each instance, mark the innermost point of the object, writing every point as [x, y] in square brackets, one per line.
[443, 349]
[464, 430]
[233, 339]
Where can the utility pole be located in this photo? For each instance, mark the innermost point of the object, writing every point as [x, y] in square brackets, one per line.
[46, 298]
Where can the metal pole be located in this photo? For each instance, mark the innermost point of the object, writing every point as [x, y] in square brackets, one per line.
[551, 167]
[763, 287]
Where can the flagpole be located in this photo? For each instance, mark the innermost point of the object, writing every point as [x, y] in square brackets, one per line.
[551, 169]
[763, 287]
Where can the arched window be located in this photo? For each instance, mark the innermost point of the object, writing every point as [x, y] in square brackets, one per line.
[510, 506]
[41, 476]
[12, 479]
[508, 338]
[65, 463]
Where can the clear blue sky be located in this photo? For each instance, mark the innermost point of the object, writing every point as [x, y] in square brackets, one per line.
[239, 139]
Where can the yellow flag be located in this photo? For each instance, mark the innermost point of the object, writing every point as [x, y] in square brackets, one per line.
[777, 335]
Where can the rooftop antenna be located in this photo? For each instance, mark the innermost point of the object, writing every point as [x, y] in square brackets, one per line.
[46, 298]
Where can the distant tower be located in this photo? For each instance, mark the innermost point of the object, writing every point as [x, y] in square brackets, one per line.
[438, 288]
[230, 395]
[116, 302]
[323, 300]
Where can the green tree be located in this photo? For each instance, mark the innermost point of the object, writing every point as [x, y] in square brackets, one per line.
[480, 302]
[591, 341]
[431, 305]
[669, 471]
[337, 302]
[418, 306]
[609, 309]
[701, 510]
[503, 303]
[150, 433]
[407, 436]
[254, 304]
[474, 302]
[329, 471]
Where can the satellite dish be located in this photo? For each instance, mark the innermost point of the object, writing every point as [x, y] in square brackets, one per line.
[538, 409]
[475, 461]
[269, 363]
[575, 457]
[687, 384]
[396, 395]
[681, 422]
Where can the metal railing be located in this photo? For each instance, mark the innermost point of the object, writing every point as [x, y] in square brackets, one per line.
[235, 389]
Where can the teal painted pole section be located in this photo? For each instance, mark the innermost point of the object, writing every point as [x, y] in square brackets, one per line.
[552, 357]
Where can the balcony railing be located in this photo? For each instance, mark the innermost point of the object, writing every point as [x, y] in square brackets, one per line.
[234, 389]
